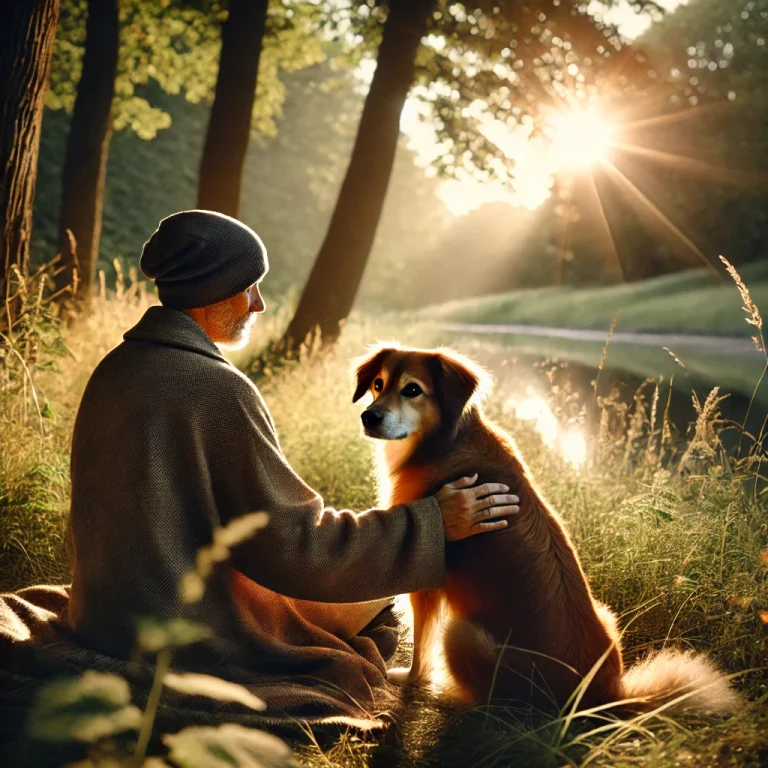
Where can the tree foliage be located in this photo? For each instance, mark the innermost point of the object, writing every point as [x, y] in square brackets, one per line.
[481, 65]
[515, 64]
[176, 44]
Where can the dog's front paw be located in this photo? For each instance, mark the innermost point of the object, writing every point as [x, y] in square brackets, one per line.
[402, 675]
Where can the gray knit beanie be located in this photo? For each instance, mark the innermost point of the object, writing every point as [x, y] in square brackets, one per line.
[197, 258]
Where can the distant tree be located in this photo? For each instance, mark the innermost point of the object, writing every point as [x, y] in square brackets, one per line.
[26, 45]
[494, 60]
[509, 242]
[335, 277]
[85, 165]
[229, 127]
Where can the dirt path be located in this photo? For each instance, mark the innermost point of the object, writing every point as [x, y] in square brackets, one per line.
[720, 345]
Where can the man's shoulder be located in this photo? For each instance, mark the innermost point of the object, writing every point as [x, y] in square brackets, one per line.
[141, 364]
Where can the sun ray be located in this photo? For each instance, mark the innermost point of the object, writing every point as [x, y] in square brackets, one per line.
[695, 167]
[672, 118]
[564, 236]
[643, 201]
[604, 225]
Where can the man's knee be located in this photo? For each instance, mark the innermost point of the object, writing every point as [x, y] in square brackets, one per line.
[384, 630]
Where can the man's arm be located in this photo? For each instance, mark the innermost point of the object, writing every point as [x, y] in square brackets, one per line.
[308, 551]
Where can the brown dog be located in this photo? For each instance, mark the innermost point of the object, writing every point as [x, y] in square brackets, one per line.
[523, 624]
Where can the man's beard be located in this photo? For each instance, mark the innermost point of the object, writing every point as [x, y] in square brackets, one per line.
[233, 331]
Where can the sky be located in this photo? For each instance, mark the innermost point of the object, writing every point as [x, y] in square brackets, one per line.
[535, 162]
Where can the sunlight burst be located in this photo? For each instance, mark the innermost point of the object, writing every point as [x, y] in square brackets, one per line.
[580, 138]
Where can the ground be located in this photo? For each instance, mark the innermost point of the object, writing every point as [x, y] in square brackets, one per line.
[672, 536]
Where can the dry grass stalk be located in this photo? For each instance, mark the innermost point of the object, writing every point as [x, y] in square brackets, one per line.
[753, 313]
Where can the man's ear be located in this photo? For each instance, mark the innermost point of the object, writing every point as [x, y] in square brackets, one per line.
[458, 378]
[366, 368]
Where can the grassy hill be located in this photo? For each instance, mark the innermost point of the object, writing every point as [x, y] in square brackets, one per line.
[695, 301]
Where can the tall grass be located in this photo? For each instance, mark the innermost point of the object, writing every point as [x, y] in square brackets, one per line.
[44, 366]
[668, 531]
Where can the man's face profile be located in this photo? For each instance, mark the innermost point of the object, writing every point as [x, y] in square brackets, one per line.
[229, 322]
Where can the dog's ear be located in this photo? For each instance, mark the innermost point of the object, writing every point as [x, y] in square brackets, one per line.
[366, 368]
[458, 379]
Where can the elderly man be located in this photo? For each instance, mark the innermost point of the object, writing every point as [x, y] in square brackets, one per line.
[172, 441]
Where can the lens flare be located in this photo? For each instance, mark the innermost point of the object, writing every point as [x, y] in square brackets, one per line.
[573, 447]
[570, 443]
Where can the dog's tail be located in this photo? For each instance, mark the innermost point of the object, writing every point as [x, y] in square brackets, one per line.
[682, 680]
[472, 656]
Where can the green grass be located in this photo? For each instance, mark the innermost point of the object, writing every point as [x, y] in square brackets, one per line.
[680, 553]
[696, 301]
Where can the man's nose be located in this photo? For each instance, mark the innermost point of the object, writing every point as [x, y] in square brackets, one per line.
[371, 418]
[257, 304]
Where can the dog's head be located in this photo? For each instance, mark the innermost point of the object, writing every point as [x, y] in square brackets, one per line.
[416, 392]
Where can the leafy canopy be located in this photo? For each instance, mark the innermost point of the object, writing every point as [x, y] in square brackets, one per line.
[177, 44]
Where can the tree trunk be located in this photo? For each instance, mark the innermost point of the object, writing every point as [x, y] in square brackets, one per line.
[26, 45]
[335, 278]
[88, 146]
[226, 143]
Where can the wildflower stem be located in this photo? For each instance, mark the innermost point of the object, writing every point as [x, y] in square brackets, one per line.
[163, 664]
[749, 408]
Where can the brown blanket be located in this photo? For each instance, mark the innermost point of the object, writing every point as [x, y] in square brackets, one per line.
[36, 647]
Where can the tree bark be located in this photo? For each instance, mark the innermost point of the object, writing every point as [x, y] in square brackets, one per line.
[226, 142]
[330, 291]
[85, 165]
[26, 46]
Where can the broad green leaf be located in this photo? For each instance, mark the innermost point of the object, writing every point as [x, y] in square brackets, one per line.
[192, 585]
[154, 636]
[226, 746]
[86, 709]
[213, 688]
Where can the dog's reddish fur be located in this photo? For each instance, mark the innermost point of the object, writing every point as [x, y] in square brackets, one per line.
[523, 623]
[523, 586]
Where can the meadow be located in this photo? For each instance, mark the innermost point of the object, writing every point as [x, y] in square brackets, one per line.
[672, 532]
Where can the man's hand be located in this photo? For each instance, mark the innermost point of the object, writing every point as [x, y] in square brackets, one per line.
[469, 510]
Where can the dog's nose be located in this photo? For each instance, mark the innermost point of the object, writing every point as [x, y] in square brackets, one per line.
[371, 419]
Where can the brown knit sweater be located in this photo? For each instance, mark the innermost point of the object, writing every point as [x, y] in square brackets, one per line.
[172, 441]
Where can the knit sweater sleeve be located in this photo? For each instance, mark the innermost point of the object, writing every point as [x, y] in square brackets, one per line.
[312, 552]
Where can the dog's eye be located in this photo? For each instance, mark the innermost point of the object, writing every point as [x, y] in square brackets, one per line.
[411, 390]
[378, 385]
